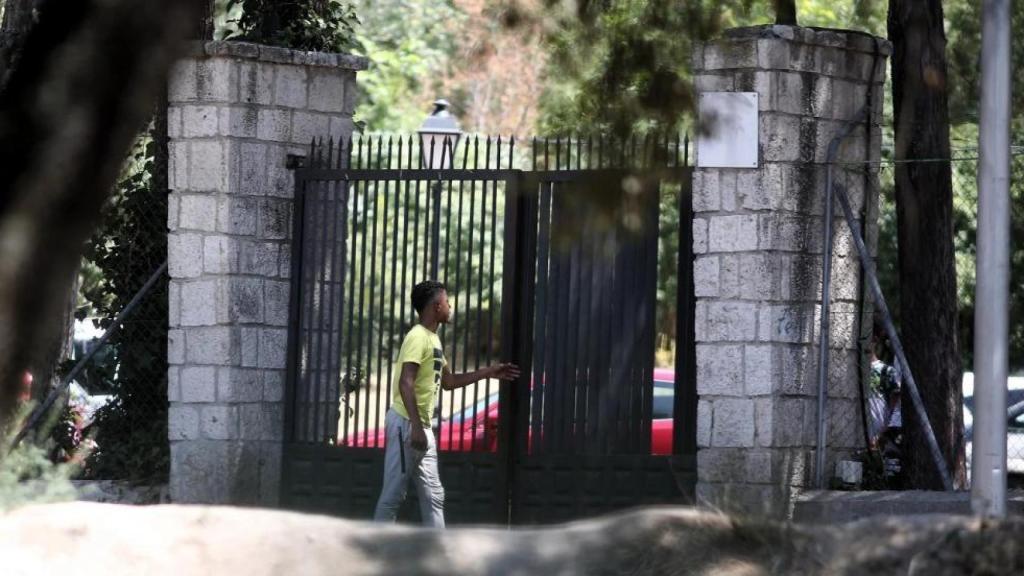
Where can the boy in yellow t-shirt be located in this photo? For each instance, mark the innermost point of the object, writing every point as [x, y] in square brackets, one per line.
[420, 370]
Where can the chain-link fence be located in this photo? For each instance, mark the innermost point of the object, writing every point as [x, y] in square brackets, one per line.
[872, 416]
[116, 401]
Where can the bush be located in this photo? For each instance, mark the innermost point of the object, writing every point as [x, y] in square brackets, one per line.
[27, 476]
[129, 246]
[320, 25]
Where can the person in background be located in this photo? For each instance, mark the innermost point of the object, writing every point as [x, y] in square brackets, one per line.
[885, 419]
[25, 390]
[410, 452]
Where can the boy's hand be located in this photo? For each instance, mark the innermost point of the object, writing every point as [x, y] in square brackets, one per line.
[504, 371]
[418, 439]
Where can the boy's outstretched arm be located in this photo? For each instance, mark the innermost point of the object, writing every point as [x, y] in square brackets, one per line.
[450, 381]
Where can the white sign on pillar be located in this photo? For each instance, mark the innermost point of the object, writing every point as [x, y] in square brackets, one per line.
[728, 135]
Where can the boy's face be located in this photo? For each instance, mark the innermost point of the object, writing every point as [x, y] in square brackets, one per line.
[442, 308]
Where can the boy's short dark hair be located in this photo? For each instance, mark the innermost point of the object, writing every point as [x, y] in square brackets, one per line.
[424, 293]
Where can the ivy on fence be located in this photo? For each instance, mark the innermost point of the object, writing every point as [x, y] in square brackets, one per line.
[130, 244]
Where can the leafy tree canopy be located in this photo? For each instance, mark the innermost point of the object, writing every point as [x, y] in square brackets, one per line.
[410, 46]
[963, 33]
[625, 65]
[323, 25]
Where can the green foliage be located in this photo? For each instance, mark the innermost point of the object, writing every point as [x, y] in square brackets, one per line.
[963, 33]
[965, 220]
[67, 434]
[624, 65]
[132, 443]
[866, 15]
[963, 30]
[668, 254]
[128, 247]
[226, 14]
[320, 25]
[965, 216]
[887, 261]
[409, 44]
[27, 476]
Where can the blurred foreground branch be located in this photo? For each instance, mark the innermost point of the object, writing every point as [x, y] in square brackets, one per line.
[84, 86]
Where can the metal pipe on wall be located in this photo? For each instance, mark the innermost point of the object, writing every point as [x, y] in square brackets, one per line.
[988, 459]
[823, 338]
[826, 289]
[909, 384]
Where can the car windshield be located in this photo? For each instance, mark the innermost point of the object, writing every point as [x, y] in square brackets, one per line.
[664, 397]
[1013, 397]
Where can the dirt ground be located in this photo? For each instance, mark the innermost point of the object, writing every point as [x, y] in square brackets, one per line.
[101, 539]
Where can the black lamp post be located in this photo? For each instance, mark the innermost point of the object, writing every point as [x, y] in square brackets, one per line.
[439, 137]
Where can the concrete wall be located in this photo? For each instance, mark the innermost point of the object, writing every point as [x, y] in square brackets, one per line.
[757, 274]
[236, 111]
[834, 507]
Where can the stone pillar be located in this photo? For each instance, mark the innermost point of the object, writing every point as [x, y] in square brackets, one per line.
[236, 111]
[757, 273]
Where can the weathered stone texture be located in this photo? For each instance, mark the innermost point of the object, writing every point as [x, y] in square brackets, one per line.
[201, 296]
[238, 385]
[236, 111]
[185, 255]
[758, 237]
[719, 370]
[197, 384]
[733, 423]
[732, 233]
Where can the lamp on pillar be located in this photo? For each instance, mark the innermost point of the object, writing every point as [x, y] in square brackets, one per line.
[439, 137]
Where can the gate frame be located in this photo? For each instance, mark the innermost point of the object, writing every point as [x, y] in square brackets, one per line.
[518, 289]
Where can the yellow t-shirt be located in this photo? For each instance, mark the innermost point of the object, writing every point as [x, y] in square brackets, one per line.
[422, 347]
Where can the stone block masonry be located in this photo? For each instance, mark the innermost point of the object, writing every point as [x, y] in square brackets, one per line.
[757, 273]
[236, 111]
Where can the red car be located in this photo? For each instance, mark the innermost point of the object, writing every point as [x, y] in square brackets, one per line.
[474, 429]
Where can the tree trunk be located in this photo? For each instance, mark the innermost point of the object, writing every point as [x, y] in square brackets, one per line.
[46, 367]
[86, 83]
[18, 20]
[19, 17]
[924, 207]
[785, 12]
[203, 28]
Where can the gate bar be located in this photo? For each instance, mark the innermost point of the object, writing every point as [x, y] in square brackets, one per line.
[826, 296]
[516, 325]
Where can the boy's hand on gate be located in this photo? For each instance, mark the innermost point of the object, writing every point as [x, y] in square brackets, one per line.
[505, 371]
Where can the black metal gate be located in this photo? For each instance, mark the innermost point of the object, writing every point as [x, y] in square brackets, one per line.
[553, 265]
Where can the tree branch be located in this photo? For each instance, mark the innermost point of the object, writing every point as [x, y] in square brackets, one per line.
[19, 18]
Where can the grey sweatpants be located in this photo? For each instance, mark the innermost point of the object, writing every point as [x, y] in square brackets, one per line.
[419, 467]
